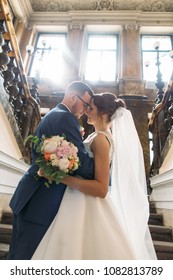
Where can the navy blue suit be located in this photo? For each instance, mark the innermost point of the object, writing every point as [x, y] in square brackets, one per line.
[33, 204]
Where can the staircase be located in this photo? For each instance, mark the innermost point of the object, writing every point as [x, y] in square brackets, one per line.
[5, 234]
[162, 235]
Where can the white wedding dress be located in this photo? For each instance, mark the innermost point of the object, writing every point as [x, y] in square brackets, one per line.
[87, 228]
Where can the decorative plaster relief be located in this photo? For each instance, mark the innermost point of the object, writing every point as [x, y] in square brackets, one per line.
[76, 5]
[75, 26]
[131, 26]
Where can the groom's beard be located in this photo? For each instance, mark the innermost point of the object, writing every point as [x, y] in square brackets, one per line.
[75, 110]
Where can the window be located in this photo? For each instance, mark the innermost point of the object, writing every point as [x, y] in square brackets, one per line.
[101, 58]
[48, 60]
[149, 55]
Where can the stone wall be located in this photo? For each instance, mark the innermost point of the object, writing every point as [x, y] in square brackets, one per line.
[11, 171]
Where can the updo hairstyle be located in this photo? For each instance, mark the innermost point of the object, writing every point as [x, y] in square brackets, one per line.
[107, 103]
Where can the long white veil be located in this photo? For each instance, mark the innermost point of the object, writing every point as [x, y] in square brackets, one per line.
[129, 190]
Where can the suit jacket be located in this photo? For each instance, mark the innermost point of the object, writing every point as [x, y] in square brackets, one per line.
[39, 203]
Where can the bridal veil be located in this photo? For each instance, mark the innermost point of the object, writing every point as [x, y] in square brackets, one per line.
[129, 190]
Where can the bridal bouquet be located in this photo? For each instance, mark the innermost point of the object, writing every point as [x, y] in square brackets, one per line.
[57, 157]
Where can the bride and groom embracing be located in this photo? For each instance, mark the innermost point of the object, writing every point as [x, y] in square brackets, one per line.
[81, 218]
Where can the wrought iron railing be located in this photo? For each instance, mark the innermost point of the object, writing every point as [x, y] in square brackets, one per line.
[160, 125]
[23, 100]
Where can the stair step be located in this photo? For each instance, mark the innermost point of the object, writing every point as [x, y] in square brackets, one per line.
[152, 207]
[155, 219]
[161, 233]
[4, 248]
[164, 250]
[7, 217]
[5, 233]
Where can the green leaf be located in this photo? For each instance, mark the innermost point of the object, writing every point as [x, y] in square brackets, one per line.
[29, 138]
[47, 172]
[57, 181]
[47, 184]
[38, 160]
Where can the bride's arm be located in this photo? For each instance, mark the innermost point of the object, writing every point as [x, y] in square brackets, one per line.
[99, 186]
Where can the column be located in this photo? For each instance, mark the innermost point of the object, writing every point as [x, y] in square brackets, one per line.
[130, 82]
[74, 51]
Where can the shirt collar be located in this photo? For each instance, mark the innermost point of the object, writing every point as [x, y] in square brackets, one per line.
[66, 106]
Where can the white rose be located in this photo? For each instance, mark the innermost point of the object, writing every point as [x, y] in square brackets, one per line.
[53, 157]
[49, 146]
[55, 162]
[57, 139]
[75, 166]
[63, 164]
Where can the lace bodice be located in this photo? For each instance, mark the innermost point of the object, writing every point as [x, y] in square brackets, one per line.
[90, 138]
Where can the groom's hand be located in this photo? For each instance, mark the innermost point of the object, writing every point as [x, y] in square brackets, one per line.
[41, 174]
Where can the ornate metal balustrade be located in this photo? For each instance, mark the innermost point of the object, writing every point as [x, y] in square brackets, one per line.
[23, 100]
[160, 124]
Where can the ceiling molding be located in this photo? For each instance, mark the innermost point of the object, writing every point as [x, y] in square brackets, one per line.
[103, 17]
[91, 5]
[50, 13]
[21, 8]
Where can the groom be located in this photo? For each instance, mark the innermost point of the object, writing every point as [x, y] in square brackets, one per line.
[33, 204]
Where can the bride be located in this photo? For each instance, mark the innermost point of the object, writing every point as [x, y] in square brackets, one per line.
[97, 222]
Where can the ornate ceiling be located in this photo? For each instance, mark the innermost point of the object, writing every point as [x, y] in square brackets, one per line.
[53, 13]
[90, 5]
